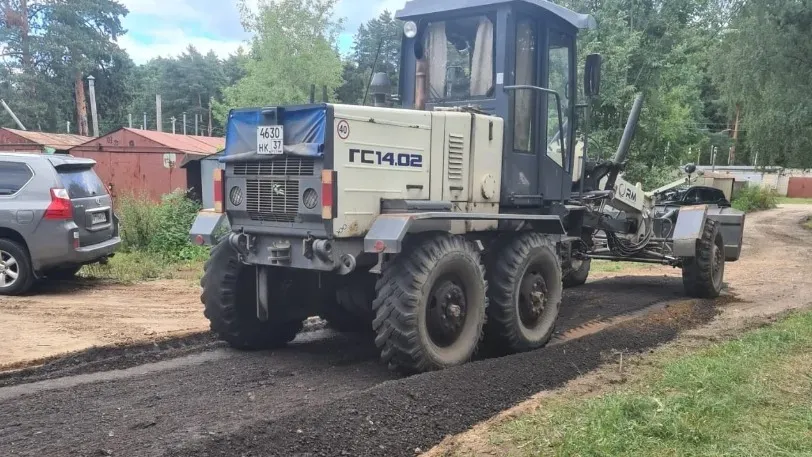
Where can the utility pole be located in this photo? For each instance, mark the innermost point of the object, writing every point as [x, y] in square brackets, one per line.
[92, 83]
[81, 105]
[11, 113]
[210, 116]
[158, 116]
[173, 125]
[144, 125]
[67, 128]
[735, 137]
[184, 122]
[197, 131]
[130, 119]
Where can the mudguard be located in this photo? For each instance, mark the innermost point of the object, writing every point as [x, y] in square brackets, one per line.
[691, 221]
[205, 228]
[731, 224]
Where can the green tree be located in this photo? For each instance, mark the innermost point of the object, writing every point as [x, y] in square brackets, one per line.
[293, 47]
[762, 69]
[661, 48]
[187, 84]
[379, 38]
[49, 48]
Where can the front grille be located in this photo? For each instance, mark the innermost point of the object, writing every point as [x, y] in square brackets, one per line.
[282, 166]
[272, 200]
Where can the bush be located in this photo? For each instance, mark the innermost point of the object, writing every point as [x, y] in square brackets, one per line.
[174, 218]
[159, 228]
[755, 198]
[138, 221]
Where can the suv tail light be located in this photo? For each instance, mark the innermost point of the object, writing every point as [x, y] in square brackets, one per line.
[61, 207]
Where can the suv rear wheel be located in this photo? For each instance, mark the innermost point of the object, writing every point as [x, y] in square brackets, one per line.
[16, 276]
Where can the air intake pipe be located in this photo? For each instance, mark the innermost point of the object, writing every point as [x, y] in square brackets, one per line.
[625, 142]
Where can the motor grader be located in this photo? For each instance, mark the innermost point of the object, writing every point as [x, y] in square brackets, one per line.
[451, 222]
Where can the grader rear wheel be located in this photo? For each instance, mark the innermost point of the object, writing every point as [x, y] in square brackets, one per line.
[229, 297]
[431, 303]
[525, 293]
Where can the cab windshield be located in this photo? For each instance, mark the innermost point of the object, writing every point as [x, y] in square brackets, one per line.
[460, 56]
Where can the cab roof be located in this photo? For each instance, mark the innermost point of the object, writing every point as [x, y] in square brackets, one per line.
[415, 8]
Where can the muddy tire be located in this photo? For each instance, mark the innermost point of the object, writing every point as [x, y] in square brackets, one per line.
[525, 294]
[229, 299]
[430, 305]
[703, 275]
[16, 275]
[577, 276]
[340, 320]
[352, 312]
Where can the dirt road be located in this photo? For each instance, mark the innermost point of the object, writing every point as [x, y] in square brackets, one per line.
[327, 395]
[70, 316]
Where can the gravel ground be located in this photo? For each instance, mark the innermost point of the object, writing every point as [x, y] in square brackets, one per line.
[327, 395]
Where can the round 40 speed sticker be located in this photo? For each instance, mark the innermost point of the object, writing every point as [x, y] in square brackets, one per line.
[343, 129]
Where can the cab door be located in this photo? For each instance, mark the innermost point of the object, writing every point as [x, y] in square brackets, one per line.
[539, 167]
[556, 150]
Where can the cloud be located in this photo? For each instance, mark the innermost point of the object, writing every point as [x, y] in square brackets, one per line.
[161, 28]
[175, 43]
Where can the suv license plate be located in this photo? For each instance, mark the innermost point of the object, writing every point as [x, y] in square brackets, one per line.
[270, 139]
[99, 218]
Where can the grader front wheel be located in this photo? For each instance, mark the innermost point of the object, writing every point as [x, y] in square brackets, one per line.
[430, 305]
[703, 275]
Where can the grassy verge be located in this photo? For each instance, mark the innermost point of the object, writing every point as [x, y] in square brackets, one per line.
[794, 201]
[808, 223]
[751, 396]
[130, 267]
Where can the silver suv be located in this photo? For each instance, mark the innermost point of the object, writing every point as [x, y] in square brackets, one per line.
[55, 216]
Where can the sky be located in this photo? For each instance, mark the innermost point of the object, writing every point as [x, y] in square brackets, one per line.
[162, 28]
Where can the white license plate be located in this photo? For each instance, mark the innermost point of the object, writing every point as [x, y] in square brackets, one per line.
[99, 218]
[270, 139]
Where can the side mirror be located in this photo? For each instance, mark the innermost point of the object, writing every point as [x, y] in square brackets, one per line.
[592, 75]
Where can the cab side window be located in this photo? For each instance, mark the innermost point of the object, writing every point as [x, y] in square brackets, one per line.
[559, 58]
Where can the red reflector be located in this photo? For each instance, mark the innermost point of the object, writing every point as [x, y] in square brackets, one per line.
[76, 244]
[327, 194]
[199, 240]
[60, 208]
[219, 190]
[380, 246]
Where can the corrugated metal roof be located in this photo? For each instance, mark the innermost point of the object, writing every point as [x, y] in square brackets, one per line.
[205, 145]
[61, 141]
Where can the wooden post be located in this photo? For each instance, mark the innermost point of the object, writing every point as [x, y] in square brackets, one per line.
[81, 104]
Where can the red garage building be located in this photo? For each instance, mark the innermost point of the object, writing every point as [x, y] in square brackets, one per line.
[148, 163]
[12, 140]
